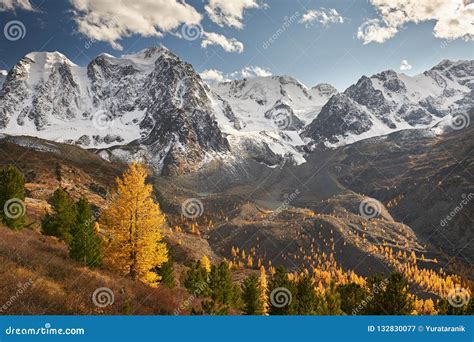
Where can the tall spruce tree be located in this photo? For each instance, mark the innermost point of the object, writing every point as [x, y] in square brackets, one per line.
[85, 244]
[329, 302]
[353, 297]
[306, 300]
[63, 216]
[166, 273]
[223, 293]
[251, 296]
[12, 197]
[196, 280]
[280, 280]
[391, 296]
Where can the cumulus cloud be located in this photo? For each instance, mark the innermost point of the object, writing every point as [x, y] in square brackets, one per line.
[110, 21]
[214, 76]
[252, 71]
[11, 5]
[453, 19]
[405, 65]
[229, 12]
[228, 44]
[374, 31]
[322, 16]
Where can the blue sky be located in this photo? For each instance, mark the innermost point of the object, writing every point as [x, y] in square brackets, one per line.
[313, 41]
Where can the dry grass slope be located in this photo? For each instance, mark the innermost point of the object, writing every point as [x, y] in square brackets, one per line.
[38, 277]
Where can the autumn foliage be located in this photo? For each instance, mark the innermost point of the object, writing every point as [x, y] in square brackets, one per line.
[134, 222]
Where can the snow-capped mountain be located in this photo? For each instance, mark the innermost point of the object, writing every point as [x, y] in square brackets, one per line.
[263, 115]
[389, 101]
[254, 101]
[150, 99]
[151, 105]
[3, 76]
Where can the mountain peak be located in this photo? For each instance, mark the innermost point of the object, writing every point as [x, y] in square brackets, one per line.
[151, 54]
[45, 57]
[448, 64]
[325, 88]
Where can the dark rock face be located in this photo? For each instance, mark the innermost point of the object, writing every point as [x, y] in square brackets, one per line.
[153, 106]
[325, 89]
[389, 101]
[338, 118]
[152, 93]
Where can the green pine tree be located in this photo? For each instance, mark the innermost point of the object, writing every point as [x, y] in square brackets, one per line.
[278, 281]
[223, 293]
[12, 197]
[392, 299]
[352, 297]
[196, 280]
[445, 308]
[329, 303]
[166, 272]
[85, 244]
[251, 296]
[62, 218]
[306, 300]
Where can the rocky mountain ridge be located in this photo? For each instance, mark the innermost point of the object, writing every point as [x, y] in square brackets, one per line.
[153, 106]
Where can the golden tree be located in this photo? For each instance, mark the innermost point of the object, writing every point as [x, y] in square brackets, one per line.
[263, 290]
[135, 222]
[206, 263]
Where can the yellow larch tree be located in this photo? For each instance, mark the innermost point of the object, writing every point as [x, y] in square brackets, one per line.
[206, 263]
[263, 290]
[135, 223]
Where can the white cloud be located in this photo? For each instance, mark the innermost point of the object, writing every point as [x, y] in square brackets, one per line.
[322, 16]
[453, 19]
[252, 71]
[228, 44]
[11, 5]
[372, 31]
[405, 65]
[229, 12]
[110, 21]
[213, 75]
